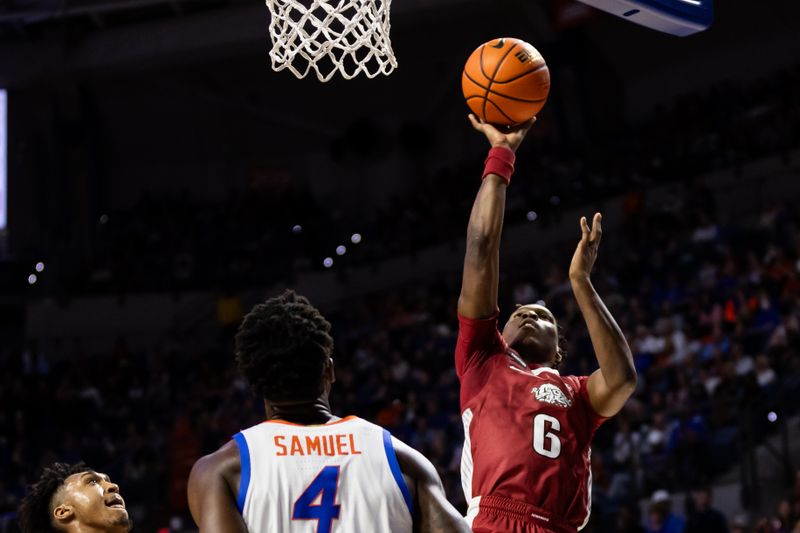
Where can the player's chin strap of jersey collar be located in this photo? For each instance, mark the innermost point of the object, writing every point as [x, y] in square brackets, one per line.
[517, 358]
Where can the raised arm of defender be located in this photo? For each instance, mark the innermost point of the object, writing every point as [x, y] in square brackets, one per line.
[478, 297]
[610, 386]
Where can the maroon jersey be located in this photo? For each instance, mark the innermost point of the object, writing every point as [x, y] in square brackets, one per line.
[527, 434]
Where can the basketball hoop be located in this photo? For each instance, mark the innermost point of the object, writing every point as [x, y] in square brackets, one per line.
[328, 36]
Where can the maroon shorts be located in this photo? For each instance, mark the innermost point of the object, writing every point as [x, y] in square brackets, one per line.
[502, 515]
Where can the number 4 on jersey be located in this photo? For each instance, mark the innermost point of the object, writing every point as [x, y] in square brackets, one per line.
[324, 487]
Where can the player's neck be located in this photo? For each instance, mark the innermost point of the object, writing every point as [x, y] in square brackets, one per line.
[530, 358]
[82, 528]
[308, 413]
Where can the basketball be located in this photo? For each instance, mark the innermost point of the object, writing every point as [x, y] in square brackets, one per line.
[505, 81]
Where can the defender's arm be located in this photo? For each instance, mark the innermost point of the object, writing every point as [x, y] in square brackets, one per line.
[610, 386]
[432, 512]
[212, 499]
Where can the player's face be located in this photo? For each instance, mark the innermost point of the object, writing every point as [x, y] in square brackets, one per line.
[532, 332]
[92, 500]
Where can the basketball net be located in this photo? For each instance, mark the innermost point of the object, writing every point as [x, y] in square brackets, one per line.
[328, 36]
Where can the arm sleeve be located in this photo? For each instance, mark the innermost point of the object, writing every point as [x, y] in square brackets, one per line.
[478, 340]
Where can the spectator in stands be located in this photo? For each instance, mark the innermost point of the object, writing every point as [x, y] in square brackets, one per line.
[170, 241]
[765, 375]
[702, 517]
[765, 525]
[660, 518]
[784, 516]
[739, 525]
[629, 520]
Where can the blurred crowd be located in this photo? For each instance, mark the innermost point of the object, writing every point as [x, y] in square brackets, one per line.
[711, 311]
[276, 227]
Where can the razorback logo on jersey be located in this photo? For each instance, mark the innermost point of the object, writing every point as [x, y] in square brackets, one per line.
[549, 393]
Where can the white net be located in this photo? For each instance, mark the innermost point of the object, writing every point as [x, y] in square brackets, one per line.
[328, 36]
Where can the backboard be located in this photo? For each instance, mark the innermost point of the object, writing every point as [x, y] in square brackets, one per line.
[677, 17]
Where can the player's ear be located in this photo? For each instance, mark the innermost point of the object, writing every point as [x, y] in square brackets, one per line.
[329, 373]
[561, 352]
[63, 513]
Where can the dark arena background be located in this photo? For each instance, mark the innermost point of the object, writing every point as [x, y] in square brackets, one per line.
[159, 179]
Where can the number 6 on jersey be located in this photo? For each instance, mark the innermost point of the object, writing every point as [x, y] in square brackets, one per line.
[541, 434]
[324, 487]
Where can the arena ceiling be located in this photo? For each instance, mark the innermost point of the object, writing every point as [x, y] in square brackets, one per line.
[217, 49]
[39, 38]
[57, 36]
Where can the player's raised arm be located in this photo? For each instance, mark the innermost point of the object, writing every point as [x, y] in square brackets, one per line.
[610, 386]
[432, 512]
[212, 499]
[482, 260]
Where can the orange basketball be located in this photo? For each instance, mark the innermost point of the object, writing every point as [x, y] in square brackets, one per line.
[505, 81]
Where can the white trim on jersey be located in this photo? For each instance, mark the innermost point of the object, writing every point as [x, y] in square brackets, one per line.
[473, 510]
[514, 355]
[588, 493]
[545, 369]
[466, 456]
[535, 372]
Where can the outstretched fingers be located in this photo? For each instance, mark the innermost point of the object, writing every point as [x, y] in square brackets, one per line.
[597, 227]
[476, 123]
[481, 125]
[528, 124]
[584, 229]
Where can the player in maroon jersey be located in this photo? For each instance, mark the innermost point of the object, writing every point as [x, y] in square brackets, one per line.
[528, 430]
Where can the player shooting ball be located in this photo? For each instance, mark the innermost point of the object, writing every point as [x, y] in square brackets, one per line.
[528, 430]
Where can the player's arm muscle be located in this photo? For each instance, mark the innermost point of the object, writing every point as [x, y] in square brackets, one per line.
[610, 386]
[432, 512]
[478, 297]
[211, 500]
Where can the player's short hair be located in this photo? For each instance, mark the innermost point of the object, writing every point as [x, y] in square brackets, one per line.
[35, 511]
[282, 347]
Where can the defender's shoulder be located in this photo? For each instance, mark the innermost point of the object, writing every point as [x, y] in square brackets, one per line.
[224, 463]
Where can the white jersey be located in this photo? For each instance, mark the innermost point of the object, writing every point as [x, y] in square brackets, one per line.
[341, 477]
